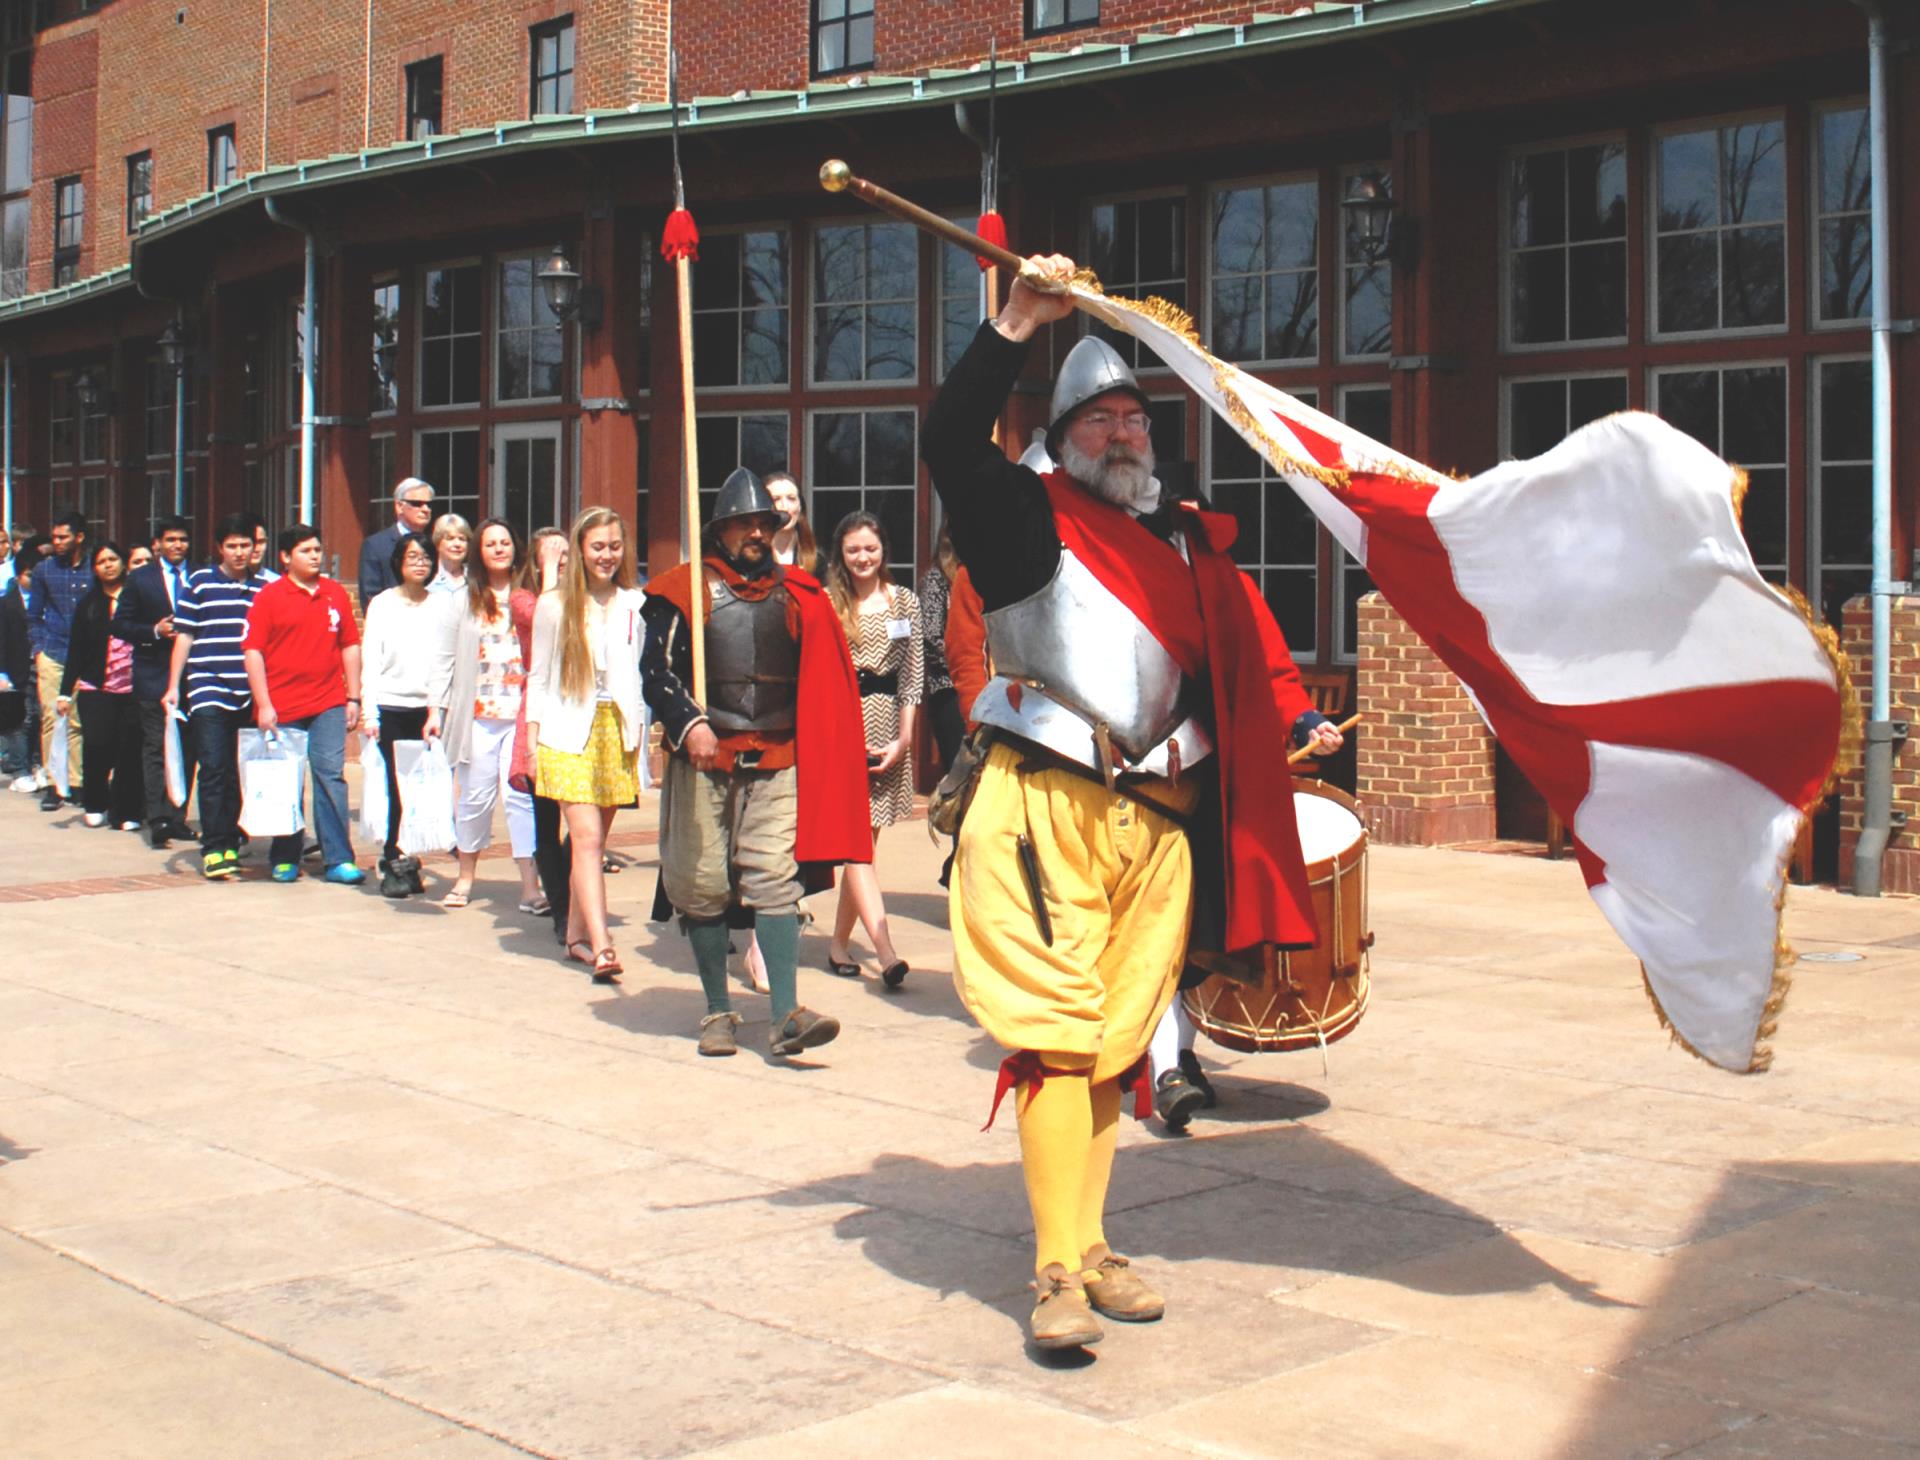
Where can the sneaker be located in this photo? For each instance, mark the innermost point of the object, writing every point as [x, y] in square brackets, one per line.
[393, 882]
[1116, 1290]
[49, 799]
[41, 778]
[285, 872]
[346, 875]
[804, 1029]
[25, 785]
[1061, 1317]
[716, 1033]
[230, 859]
[219, 866]
[1175, 1100]
[93, 818]
[129, 826]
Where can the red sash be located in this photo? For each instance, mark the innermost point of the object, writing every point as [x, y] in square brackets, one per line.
[1213, 622]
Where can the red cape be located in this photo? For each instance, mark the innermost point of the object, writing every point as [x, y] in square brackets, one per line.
[1214, 623]
[830, 741]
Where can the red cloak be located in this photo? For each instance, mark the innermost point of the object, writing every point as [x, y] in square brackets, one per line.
[830, 742]
[1211, 619]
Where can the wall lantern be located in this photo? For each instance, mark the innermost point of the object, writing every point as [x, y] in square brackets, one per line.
[569, 297]
[92, 395]
[1375, 228]
[173, 346]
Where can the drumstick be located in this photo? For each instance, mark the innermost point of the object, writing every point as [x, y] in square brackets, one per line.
[1306, 750]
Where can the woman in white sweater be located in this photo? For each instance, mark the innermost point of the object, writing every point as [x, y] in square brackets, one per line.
[396, 673]
[583, 715]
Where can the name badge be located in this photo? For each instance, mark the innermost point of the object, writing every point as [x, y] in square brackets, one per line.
[899, 628]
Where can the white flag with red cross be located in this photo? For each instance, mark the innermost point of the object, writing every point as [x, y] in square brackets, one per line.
[1679, 713]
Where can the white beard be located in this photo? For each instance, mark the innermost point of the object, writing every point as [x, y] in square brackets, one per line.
[1122, 476]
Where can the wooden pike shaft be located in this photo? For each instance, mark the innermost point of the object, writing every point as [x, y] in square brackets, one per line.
[690, 456]
[837, 177]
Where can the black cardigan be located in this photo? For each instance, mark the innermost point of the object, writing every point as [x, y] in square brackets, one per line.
[87, 648]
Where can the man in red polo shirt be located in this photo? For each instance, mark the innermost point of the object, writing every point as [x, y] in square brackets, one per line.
[302, 652]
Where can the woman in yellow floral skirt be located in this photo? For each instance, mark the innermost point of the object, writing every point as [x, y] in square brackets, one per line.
[583, 715]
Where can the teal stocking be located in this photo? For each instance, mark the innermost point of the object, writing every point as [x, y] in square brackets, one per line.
[710, 957]
[780, 950]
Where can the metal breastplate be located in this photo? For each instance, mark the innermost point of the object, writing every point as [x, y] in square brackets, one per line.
[1073, 657]
[753, 661]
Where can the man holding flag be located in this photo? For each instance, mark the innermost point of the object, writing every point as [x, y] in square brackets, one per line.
[1133, 802]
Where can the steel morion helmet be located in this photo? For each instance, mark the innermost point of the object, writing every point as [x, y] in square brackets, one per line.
[742, 495]
[1092, 369]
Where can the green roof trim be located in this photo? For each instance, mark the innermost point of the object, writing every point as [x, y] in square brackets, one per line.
[1192, 45]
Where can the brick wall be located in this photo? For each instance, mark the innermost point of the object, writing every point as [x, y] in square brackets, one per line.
[1424, 773]
[1900, 868]
[164, 74]
[763, 44]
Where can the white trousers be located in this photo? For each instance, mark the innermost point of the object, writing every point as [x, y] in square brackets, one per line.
[483, 781]
[1172, 1034]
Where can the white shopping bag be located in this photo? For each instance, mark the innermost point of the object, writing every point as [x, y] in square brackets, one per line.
[176, 760]
[426, 796]
[273, 769]
[373, 792]
[57, 753]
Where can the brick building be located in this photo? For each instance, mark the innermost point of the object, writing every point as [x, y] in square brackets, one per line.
[1597, 206]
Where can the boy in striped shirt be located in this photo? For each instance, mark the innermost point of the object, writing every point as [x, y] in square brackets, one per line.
[208, 622]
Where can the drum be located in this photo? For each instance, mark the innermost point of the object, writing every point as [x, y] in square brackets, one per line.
[1315, 995]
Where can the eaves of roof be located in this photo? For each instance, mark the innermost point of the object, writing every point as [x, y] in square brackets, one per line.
[1194, 45]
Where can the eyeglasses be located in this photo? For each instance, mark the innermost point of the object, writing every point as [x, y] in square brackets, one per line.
[1136, 423]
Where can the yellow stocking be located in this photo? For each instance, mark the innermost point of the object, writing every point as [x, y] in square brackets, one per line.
[1056, 1132]
[1105, 1134]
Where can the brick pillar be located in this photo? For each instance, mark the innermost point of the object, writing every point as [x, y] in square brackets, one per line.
[1900, 868]
[609, 357]
[1424, 759]
[342, 395]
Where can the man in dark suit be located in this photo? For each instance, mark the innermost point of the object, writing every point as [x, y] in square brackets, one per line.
[145, 620]
[412, 512]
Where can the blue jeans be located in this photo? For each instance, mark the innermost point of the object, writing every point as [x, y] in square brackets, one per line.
[327, 759]
[216, 746]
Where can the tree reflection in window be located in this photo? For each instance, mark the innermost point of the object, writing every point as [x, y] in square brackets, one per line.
[865, 286]
[740, 309]
[1721, 248]
[1266, 286]
[1846, 227]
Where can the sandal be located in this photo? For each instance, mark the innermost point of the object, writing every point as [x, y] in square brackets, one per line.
[456, 899]
[581, 943]
[538, 906]
[606, 966]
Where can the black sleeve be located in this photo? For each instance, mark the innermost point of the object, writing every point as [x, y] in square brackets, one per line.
[998, 511]
[86, 645]
[666, 670]
[138, 613]
[376, 554]
[1308, 722]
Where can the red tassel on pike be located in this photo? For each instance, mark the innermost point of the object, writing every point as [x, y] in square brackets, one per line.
[993, 228]
[680, 239]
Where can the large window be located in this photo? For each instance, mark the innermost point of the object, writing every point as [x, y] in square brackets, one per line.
[69, 228]
[1051, 15]
[740, 309]
[552, 62]
[842, 36]
[1740, 413]
[530, 347]
[450, 335]
[450, 459]
[1542, 413]
[1278, 545]
[1841, 517]
[727, 442]
[863, 461]
[16, 174]
[158, 415]
[223, 157]
[962, 301]
[1138, 247]
[1366, 295]
[1844, 227]
[424, 84]
[1567, 245]
[1265, 272]
[63, 418]
[1720, 256]
[865, 287]
[139, 189]
[382, 477]
[384, 386]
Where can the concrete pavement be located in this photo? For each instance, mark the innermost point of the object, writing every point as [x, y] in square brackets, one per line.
[291, 1171]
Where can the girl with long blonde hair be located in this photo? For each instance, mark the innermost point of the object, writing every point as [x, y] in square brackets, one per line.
[583, 715]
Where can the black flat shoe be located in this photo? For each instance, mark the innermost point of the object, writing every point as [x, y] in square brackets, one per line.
[895, 973]
[842, 970]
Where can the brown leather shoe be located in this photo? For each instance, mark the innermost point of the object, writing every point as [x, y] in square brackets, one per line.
[1115, 1289]
[716, 1034]
[1061, 1318]
[803, 1029]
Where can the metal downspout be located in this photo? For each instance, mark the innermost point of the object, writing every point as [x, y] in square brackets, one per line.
[1877, 824]
[307, 340]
